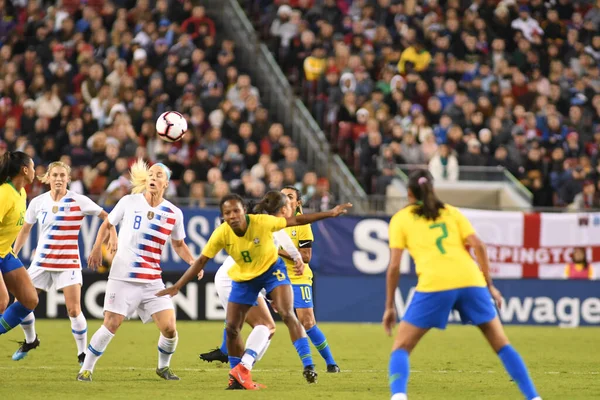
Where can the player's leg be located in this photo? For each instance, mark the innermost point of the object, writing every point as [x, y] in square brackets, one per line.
[120, 298]
[19, 284]
[260, 315]
[70, 282]
[426, 311]
[42, 281]
[284, 298]
[4, 296]
[167, 343]
[476, 305]
[303, 303]
[223, 288]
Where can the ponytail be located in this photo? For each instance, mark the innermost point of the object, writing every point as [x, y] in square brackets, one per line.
[271, 203]
[11, 163]
[139, 176]
[428, 205]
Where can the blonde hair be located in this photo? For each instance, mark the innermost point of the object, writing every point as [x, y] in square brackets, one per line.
[139, 175]
[56, 164]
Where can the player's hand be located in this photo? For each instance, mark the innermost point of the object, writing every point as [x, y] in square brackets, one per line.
[389, 320]
[200, 274]
[496, 295]
[95, 258]
[340, 209]
[170, 291]
[299, 267]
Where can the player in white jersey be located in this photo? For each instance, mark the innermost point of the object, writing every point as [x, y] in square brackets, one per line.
[259, 316]
[56, 264]
[147, 221]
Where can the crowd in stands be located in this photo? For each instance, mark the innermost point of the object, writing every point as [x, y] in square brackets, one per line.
[451, 83]
[83, 82]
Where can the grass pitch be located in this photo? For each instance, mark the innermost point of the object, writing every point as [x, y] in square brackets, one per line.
[455, 364]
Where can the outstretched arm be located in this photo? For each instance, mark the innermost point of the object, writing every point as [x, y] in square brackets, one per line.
[304, 219]
[190, 274]
[183, 251]
[481, 257]
[391, 283]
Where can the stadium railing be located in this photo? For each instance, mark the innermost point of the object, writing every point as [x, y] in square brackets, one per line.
[278, 95]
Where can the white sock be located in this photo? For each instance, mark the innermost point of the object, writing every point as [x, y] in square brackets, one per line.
[28, 325]
[399, 396]
[98, 344]
[257, 340]
[263, 351]
[166, 348]
[79, 329]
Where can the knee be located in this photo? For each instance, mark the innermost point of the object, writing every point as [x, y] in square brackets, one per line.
[288, 316]
[112, 323]
[405, 344]
[74, 311]
[307, 321]
[170, 330]
[30, 300]
[3, 305]
[233, 331]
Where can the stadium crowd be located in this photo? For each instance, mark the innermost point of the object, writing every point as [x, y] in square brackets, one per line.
[83, 82]
[450, 83]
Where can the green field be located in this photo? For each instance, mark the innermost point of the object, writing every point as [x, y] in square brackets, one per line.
[455, 364]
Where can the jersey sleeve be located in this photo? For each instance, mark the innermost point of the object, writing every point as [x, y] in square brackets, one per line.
[464, 225]
[277, 223]
[178, 232]
[88, 207]
[116, 215]
[396, 232]
[31, 213]
[305, 236]
[215, 244]
[286, 243]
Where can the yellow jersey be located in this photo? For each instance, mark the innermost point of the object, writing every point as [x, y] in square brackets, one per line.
[302, 237]
[314, 67]
[254, 253]
[420, 60]
[438, 248]
[13, 205]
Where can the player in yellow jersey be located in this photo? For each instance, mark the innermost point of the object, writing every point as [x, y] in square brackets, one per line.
[248, 239]
[16, 171]
[302, 237]
[435, 234]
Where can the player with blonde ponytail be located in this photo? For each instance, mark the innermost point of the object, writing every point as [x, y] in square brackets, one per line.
[147, 222]
[56, 264]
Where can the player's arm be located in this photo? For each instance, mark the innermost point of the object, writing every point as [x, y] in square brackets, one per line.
[303, 219]
[22, 237]
[290, 250]
[111, 232]
[182, 250]
[481, 257]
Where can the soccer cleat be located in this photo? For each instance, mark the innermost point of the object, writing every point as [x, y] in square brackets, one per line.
[310, 374]
[81, 358]
[24, 348]
[214, 355]
[243, 376]
[333, 369]
[85, 376]
[234, 385]
[167, 374]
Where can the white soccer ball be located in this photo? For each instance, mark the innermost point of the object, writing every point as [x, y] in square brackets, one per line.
[171, 126]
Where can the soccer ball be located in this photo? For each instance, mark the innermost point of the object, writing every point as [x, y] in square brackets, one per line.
[171, 126]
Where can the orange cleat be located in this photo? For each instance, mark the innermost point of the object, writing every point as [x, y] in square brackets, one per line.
[243, 376]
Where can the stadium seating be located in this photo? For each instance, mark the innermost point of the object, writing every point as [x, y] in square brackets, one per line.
[85, 81]
[500, 83]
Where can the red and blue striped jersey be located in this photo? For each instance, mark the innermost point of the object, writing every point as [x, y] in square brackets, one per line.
[143, 233]
[59, 224]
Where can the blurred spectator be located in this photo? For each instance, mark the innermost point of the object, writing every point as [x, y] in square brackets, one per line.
[444, 165]
[579, 268]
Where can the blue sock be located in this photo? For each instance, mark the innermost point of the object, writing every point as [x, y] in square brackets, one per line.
[303, 349]
[320, 341]
[233, 361]
[223, 347]
[14, 314]
[514, 365]
[399, 371]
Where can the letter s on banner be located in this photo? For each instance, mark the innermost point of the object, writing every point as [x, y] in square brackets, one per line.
[371, 238]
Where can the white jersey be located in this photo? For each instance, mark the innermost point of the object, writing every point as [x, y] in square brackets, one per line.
[280, 239]
[142, 237]
[58, 244]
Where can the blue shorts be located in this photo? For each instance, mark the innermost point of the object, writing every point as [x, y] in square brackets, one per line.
[432, 309]
[247, 292]
[9, 263]
[303, 296]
